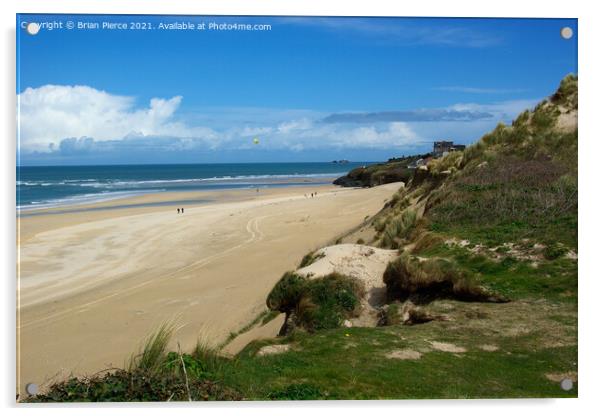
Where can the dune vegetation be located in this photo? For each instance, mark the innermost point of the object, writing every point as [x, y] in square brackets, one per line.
[485, 269]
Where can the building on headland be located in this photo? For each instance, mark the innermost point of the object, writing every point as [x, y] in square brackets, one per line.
[441, 148]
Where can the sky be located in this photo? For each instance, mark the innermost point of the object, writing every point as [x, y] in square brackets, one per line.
[201, 89]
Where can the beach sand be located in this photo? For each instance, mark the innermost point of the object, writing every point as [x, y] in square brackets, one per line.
[95, 283]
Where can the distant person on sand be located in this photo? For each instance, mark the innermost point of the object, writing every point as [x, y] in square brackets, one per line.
[182, 210]
[178, 210]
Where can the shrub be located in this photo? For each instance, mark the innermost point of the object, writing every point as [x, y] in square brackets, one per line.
[316, 303]
[135, 386]
[287, 293]
[328, 301]
[408, 276]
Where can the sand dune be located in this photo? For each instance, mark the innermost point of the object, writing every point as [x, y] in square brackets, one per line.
[93, 285]
[365, 263]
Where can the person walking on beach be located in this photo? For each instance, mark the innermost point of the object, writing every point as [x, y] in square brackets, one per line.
[178, 210]
[182, 210]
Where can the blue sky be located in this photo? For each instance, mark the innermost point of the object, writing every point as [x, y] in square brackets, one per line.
[310, 89]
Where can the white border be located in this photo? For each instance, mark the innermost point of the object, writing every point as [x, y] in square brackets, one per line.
[589, 223]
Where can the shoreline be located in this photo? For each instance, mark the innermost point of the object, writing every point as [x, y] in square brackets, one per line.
[94, 277]
[112, 199]
[46, 219]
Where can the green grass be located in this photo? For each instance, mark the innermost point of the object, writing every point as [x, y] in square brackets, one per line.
[508, 200]
[355, 367]
[555, 280]
[352, 363]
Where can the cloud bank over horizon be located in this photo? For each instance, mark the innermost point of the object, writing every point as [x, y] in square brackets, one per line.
[72, 121]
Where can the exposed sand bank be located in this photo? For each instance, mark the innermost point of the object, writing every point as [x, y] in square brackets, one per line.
[94, 284]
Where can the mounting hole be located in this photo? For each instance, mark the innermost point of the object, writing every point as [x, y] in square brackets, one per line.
[31, 389]
[566, 32]
[566, 384]
[32, 28]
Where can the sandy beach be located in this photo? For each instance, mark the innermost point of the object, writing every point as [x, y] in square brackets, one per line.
[94, 283]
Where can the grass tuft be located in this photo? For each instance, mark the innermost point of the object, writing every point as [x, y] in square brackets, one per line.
[425, 280]
[153, 354]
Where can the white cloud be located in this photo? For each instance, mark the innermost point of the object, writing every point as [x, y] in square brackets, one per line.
[79, 119]
[294, 125]
[305, 134]
[51, 113]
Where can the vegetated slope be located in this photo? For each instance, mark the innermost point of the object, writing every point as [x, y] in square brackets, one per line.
[481, 301]
[509, 200]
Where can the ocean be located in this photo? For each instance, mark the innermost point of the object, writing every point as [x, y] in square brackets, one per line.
[52, 186]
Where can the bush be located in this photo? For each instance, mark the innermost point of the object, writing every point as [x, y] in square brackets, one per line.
[408, 276]
[316, 304]
[135, 386]
[287, 293]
